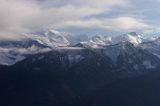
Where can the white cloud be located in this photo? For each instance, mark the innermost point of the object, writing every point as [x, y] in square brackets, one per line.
[92, 3]
[106, 2]
[127, 23]
[20, 16]
[114, 24]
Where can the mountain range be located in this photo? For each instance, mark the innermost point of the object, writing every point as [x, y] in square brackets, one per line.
[54, 68]
[12, 52]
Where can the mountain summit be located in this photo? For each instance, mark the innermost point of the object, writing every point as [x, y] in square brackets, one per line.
[132, 37]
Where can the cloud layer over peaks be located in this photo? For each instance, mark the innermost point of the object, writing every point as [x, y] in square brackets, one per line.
[23, 16]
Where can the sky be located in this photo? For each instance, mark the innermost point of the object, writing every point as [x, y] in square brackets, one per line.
[78, 16]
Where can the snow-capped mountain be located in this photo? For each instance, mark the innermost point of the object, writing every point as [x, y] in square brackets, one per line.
[132, 37]
[75, 39]
[12, 52]
[37, 42]
[88, 69]
[24, 43]
[9, 58]
[61, 69]
[97, 42]
[152, 46]
[151, 36]
[70, 67]
[50, 38]
[53, 38]
[128, 55]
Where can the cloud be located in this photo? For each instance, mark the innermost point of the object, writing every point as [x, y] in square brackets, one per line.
[127, 23]
[113, 24]
[14, 17]
[91, 3]
[22, 16]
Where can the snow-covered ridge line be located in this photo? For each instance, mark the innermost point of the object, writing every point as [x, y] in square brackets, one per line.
[48, 40]
[55, 39]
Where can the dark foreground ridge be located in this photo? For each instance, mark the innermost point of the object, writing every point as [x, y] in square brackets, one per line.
[82, 78]
[50, 89]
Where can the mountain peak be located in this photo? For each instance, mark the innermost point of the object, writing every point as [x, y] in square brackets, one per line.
[52, 32]
[50, 38]
[97, 41]
[133, 33]
[131, 37]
